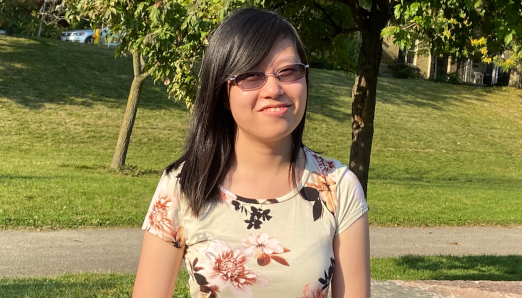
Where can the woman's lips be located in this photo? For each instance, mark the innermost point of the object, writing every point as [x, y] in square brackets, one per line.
[274, 111]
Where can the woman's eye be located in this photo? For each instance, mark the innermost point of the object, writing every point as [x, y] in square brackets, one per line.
[251, 77]
[287, 72]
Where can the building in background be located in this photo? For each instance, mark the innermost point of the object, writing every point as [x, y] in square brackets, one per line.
[469, 71]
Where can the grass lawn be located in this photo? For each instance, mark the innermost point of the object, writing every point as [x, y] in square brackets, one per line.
[443, 155]
[404, 268]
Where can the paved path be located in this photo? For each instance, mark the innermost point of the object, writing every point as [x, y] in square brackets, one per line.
[24, 253]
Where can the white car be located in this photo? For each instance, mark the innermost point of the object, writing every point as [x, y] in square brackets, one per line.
[85, 36]
[82, 36]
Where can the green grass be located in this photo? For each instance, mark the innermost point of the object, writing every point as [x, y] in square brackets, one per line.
[442, 154]
[506, 268]
[484, 267]
[109, 285]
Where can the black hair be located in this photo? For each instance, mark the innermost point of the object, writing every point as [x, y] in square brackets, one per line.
[240, 43]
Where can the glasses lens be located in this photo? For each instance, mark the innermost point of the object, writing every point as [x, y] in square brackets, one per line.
[291, 73]
[250, 80]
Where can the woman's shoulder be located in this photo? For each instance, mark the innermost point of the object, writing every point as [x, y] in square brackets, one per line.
[324, 166]
[334, 173]
[169, 181]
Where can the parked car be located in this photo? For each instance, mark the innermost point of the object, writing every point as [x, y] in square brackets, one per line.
[82, 36]
[85, 36]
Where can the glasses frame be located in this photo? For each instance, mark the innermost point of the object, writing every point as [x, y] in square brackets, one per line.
[266, 75]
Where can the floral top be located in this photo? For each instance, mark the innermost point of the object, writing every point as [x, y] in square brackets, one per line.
[244, 247]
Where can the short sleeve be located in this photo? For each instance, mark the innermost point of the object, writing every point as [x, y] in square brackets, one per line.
[352, 203]
[163, 219]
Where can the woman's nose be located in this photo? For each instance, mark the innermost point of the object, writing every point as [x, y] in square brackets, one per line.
[272, 88]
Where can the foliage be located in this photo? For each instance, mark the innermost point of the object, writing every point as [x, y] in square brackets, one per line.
[453, 78]
[169, 35]
[25, 17]
[461, 28]
[15, 11]
[326, 28]
[402, 70]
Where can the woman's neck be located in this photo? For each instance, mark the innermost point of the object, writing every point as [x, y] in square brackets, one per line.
[258, 156]
[261, 170]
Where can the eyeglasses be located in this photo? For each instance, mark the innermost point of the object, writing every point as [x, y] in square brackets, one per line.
[252, 80]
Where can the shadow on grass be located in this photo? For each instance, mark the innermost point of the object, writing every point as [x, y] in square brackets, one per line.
[35, 72]
[330, 94]
[426, 94]
[463, 267]
[328, 85]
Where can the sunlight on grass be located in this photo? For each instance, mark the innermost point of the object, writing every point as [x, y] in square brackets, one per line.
[442, 154]
[109, 285]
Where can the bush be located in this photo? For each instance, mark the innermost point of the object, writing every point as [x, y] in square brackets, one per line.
[402, 70]
[451, 78]
[30, 28]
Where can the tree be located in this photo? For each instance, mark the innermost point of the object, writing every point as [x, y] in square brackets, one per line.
[326, 27]
[462, 28]
[166, 38]
[13, 11]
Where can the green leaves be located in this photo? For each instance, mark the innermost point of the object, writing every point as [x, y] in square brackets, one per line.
[170, 34]
[448, 26]
[508, 39]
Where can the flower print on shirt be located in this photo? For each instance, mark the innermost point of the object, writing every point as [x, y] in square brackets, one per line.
[161, 225]
[206, 290]
[314, 290]
[326, 166]
[226, 267]
[256, 215]
[319, 289]
[265, 248]
[327, 188]
[323, 189]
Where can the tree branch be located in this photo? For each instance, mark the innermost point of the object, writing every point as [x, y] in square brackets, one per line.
[146, 74]
[356, 12]
[331, 22]
[341, 30]
[136, 63]
[380, 11]
[143, 62]
[285, 2]
[345, 2]
[327, 15]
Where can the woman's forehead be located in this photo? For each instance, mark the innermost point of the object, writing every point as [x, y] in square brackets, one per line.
[283, 52]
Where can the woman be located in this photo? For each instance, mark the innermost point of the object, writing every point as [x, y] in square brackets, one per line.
[253, 212]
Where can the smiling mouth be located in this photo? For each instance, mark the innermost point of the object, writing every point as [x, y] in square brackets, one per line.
[276, 109]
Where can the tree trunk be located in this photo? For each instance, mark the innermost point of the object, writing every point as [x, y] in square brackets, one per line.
[515, 77]
[365, 89]
[119, 157]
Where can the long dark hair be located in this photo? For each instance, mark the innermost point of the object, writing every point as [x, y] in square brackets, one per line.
[239, 44]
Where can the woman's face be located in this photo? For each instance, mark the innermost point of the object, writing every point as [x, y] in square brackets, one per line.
[271, 113]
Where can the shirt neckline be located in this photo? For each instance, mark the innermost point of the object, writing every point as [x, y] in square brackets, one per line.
[231, 196]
